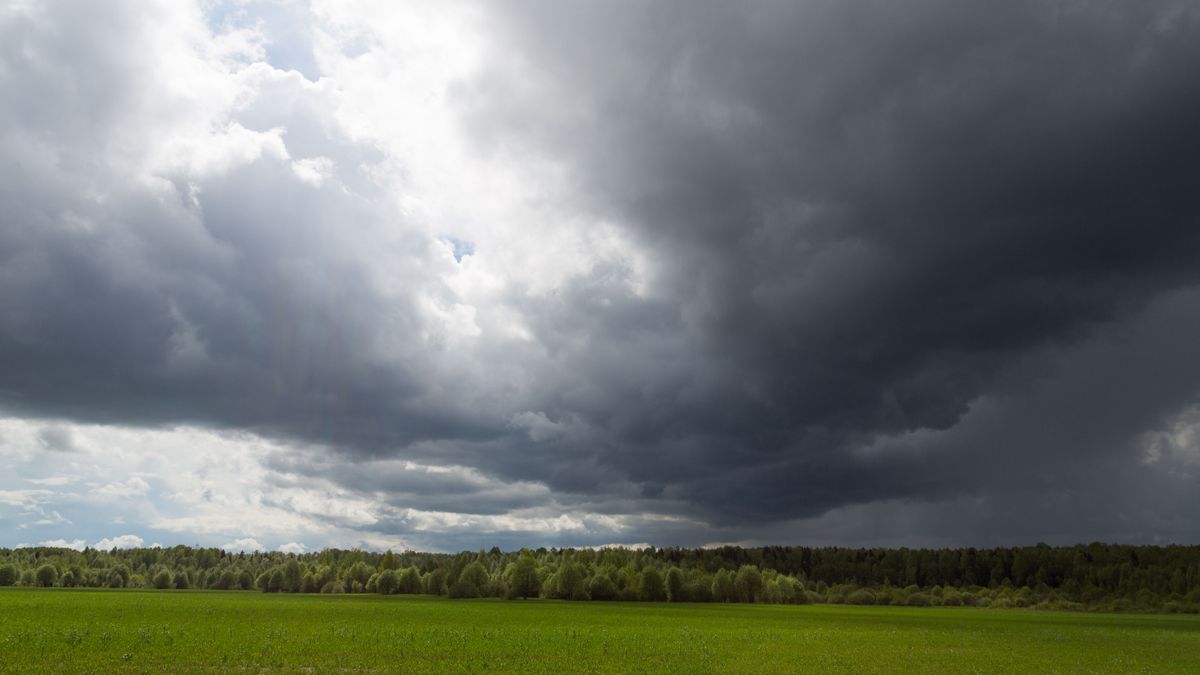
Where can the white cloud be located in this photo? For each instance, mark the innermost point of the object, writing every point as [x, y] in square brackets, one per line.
[122, 541]
[132, 487]
[51, 480]
[380, 543]
[210, 484]
[52, 518]
[313, 170]
[1178, 442]
[28, 499]
[247, 544]
[293, 547]
[632, 547]
[77, 544]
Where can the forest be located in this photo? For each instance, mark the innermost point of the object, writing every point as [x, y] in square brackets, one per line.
[1092, 577]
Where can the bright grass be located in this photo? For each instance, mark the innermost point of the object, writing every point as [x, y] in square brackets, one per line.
[63, 630]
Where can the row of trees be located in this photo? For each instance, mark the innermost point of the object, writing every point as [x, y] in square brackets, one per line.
[1095, 576]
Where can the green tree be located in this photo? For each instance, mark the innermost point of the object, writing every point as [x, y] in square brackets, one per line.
[602, 587]
[470, 583]
[358, 573]
[675, 587]
[570, 581]
[748, 583]
[293, 575]
[651, 587]
[462, 588]
[118, 577]
[550, 586]
[47, 575]
[225, 581]
[163, 579]
[699, 588]
[270, 581]
[722, 587]
[434, 583]
[323, 577]
[496, 587]
[523, 580]
[9, 575]
[1021, 566]
[788, 589]
[387, 582]
[474, 574]
[410, 581]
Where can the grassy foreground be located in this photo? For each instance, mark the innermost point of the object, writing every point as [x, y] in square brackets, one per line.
[102, 631]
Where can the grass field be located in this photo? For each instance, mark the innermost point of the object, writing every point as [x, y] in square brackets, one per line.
[101, 631]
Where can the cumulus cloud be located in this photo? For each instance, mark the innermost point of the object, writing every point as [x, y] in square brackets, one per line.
[448, 275]
[77, 544]
[246, 544]
[122, 541]
[293, 547]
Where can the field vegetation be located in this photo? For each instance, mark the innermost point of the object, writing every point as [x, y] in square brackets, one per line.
[101, 630]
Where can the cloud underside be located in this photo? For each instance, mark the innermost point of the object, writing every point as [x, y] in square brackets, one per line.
[558, 272]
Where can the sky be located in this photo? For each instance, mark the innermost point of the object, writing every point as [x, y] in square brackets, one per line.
[448, 275]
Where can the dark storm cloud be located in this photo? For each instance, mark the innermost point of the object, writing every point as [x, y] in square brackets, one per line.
[899, 254]
[870, 215]
[403, 484]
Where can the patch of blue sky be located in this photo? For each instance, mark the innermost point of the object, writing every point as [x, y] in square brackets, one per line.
[286, 25]
[461, 247]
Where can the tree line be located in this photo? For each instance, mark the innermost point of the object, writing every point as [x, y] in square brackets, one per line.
[1105, 577]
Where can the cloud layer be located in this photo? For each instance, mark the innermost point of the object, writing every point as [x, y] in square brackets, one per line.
[448, 275]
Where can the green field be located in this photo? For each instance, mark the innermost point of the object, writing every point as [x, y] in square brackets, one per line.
[101, 631]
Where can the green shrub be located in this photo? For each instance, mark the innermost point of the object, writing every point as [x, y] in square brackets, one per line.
[919, 600]
[463, 589]
[861, 597]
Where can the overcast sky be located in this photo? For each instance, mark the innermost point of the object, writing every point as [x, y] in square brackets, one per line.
[448, 275]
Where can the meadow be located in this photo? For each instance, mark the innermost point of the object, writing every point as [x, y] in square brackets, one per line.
[96, 630]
